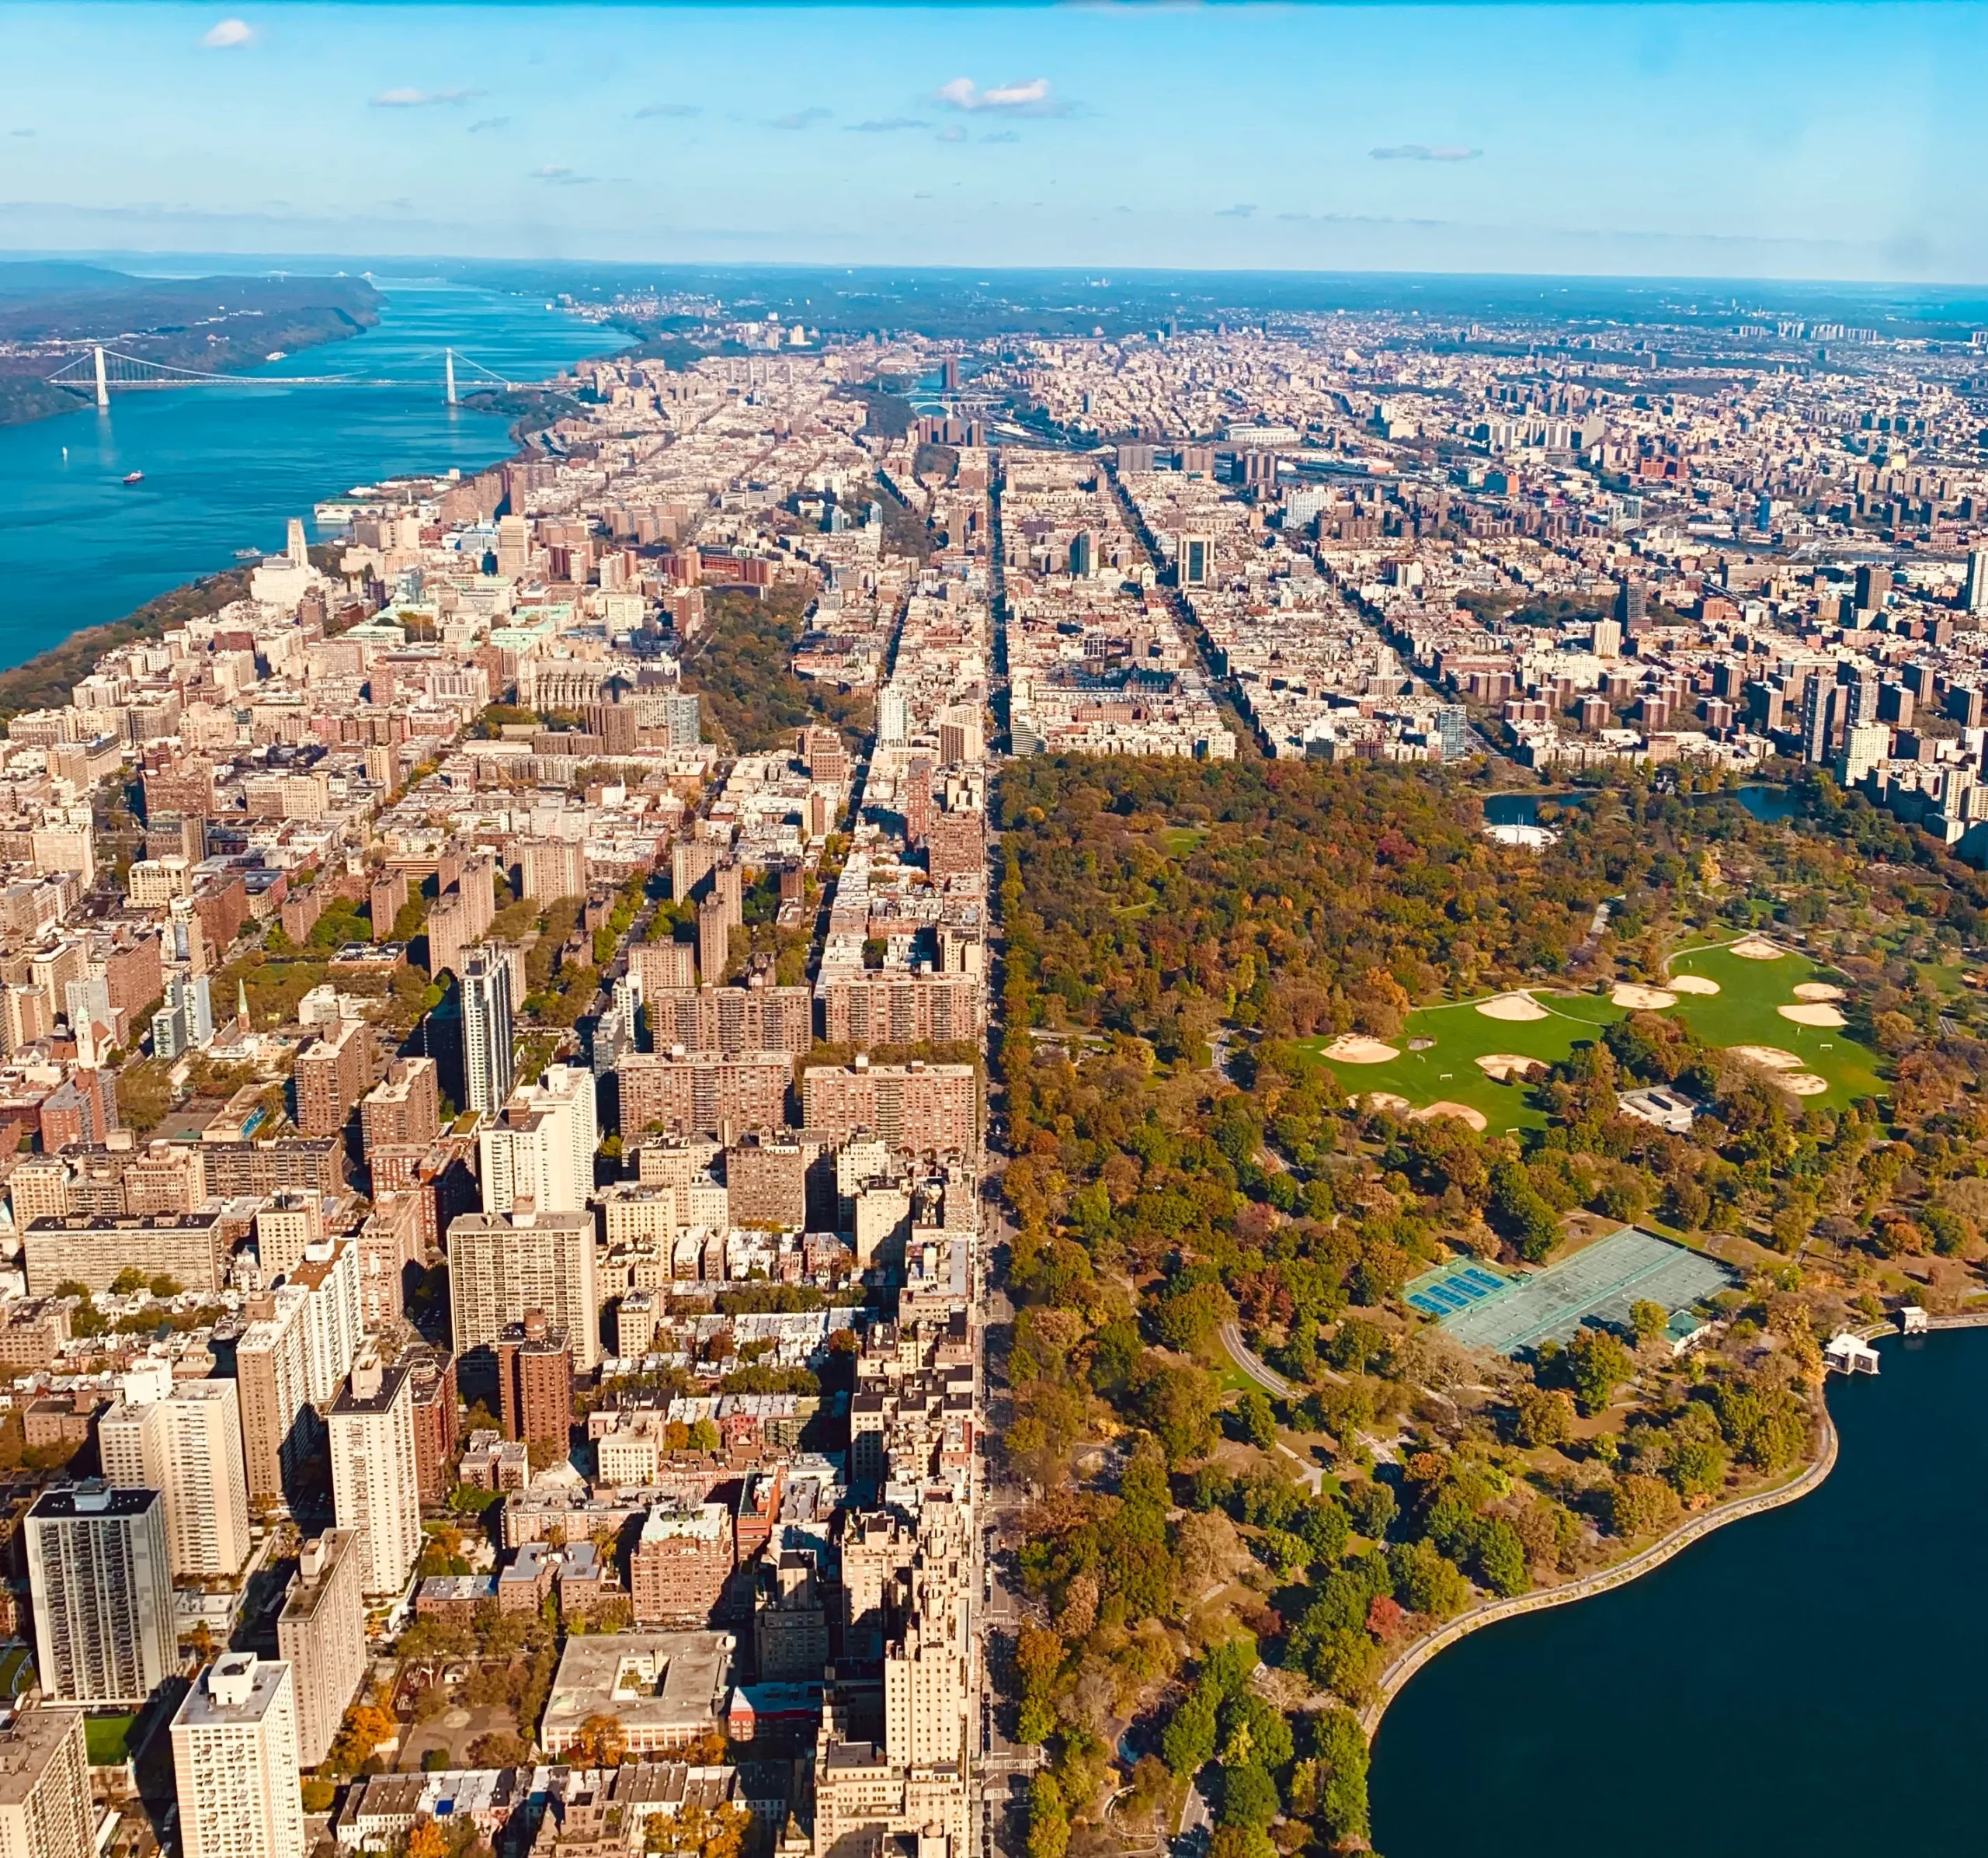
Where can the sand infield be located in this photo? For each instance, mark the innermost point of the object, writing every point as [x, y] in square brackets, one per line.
[1506, 1065]
[1769, 1057]
[1631, 994]
[1356, 1048]
[1802, 1083]
[1512, 1006]
[1386, 1099]
[1816, 1015]
[1817, 990]
[1756, 948]
[1694, 984]
[1462, 1112]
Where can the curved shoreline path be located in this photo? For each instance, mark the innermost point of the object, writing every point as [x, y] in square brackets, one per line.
[1394, 1676]
[1776, 1684]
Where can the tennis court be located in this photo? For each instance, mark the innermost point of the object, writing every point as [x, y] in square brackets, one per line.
[1450, 1288]
[1597, 1284]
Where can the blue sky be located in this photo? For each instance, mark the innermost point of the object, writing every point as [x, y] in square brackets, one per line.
[1788, 141]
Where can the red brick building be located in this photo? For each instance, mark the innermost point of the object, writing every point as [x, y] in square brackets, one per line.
[331, 1075]
[535, 1379]
[681, 1563]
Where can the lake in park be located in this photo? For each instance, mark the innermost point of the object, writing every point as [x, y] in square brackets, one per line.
[1763, 802]
[1808, 1681]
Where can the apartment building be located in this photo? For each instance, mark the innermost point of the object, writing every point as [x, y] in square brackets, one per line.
[500, 1266]
[376, 1480]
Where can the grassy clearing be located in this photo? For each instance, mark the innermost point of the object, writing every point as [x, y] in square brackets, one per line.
[107, 1739]
[1743, 1012]
[1447, 1071]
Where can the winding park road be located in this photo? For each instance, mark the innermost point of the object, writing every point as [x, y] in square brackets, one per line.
[1395, 1676]
[1268, 1378]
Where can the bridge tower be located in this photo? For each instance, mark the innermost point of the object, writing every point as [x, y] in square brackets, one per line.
[448, 365]
[103, 386]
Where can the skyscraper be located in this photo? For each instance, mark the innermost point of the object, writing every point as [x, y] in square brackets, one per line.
[376, 1481]
[541, 1148]
[1975, 595]
[188, 1447]
[322, 1635]
[45, 1809]
[488, 1064]
[101, 1579]
[499, 1267]
[235, 1759]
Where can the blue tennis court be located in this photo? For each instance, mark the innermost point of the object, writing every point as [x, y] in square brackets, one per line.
[1451, 1288]
[1600, 1284]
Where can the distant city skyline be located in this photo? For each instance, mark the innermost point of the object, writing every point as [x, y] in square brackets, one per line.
[1841, 142]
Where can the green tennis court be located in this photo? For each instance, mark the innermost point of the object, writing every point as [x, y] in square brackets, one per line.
[1598, 1284]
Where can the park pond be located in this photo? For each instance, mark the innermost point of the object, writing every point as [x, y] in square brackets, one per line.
[1777, 1687]
[1764, 803]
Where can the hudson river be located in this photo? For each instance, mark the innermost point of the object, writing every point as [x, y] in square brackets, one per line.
[225, 466]
[1809, 1681]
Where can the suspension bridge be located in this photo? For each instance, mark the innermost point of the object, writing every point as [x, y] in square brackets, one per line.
[108, 370]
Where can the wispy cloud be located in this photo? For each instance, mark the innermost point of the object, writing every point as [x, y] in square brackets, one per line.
[801, 119]
[649, 110]
[562, 177]
[225, 35]
[408, 97]
[1424, 151]
[1030, 99]
[484, 124]
[1240, 212]
[1002, 135]
[22, 134]
[885, 125]
[954, 134]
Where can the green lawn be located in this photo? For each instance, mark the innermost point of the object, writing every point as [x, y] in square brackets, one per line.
[16, 1670]
[1743, 1012]
[1447, 1070]
[106, 1739]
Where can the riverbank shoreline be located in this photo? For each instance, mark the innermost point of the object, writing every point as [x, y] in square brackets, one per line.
[28, 399]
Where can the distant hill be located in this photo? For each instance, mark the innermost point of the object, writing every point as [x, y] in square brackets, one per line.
[49, 307]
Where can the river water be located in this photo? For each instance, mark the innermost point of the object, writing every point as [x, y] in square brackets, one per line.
[225, 467]
[1808, 1681]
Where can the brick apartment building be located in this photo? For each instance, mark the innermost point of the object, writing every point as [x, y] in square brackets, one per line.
[332, 1074]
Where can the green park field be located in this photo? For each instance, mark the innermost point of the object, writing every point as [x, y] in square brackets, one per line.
[1744, 1011]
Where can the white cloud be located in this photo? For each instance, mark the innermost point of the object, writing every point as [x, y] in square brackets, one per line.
[228, 34]
[1422, 152]
[408, 97]
[1032, 99]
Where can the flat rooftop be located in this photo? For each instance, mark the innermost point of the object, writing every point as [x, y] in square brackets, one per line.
[657, 1683]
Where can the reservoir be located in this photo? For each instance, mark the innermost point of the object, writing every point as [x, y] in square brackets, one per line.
[1807, 1682]
[1765, 804]
[225, 467]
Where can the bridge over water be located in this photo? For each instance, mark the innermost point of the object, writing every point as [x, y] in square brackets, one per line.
[106, 370]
